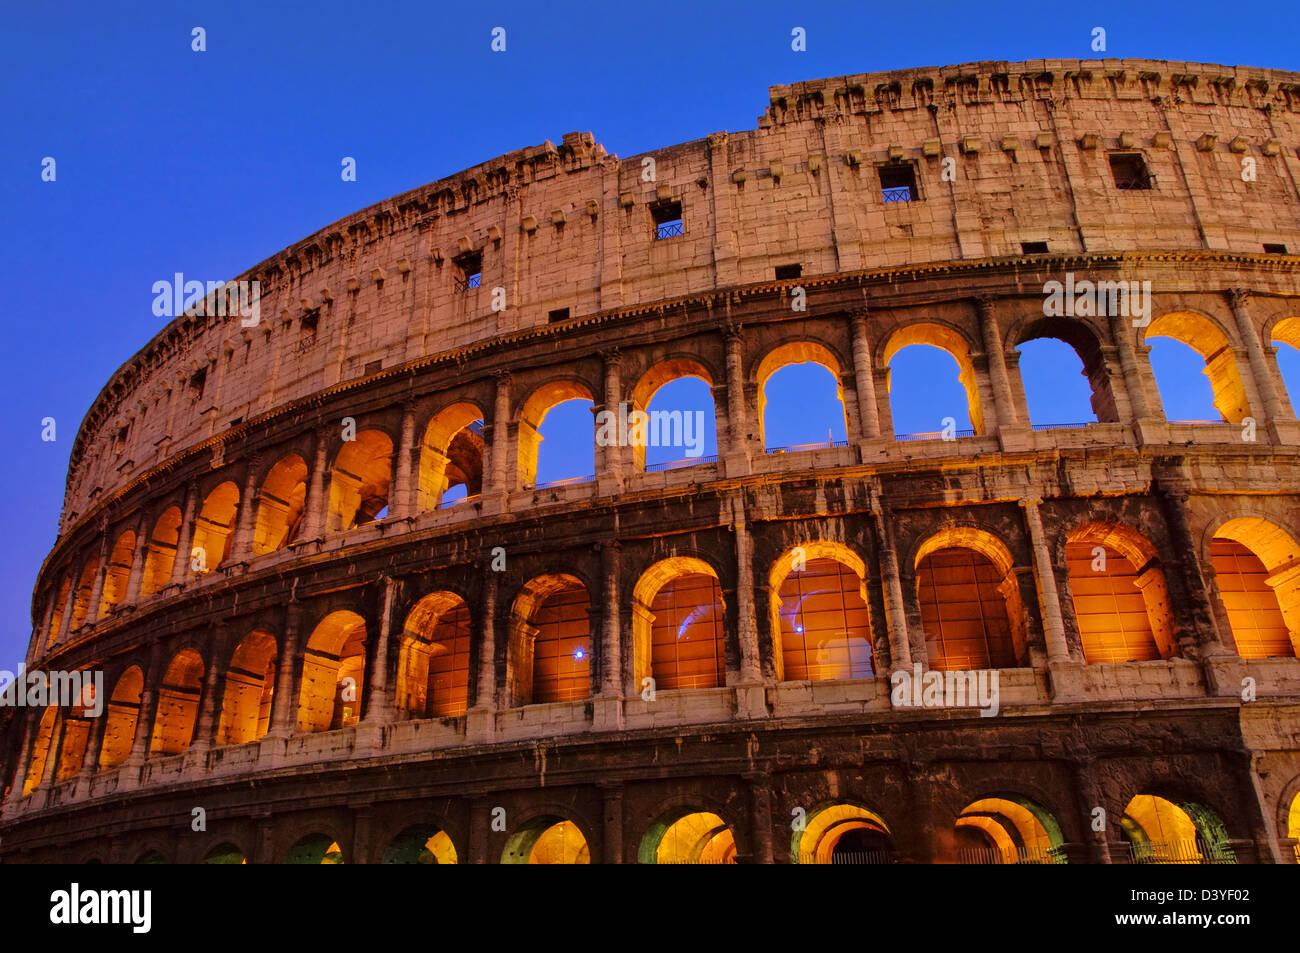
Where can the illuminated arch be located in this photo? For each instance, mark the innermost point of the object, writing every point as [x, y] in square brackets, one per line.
[250, 687]
[531, 416]
[658, 377]
[359, 480]
[678, 630]
[333, 673]
[1293, 824]
[76, 731]
[1287, 331]
[178, 704]
[550, 641]
[280, 505]
[42, 744]
[820, 622]
[842, 832]
[433, 662]
[56, 611]
[1121, 599]
[120, 559]
[1008, 830]
[451, 454]
[160, 555]
[421, 844]
[946, 339]
[970, 601]
[1257, 568]
[1207, 339]
[1162, 831]
[215, 523]
[547, 840]
[683, 836]
[123, 713]
[796, 352]
[85, 586]
[1081, 338]
[314, 849]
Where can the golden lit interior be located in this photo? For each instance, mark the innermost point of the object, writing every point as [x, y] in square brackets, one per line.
[970, 601]
[280, 505]
[700, 838]
[178, 704]
[81, 601]
[315, 849]
[1121, 599]
[56, 614]
[796, 352]
[1002, 831]
[40, 750]
[1204, 337]
[533, 414]
[1293, 825]
[550, 642]
[421, 845]
[451, 454]
[77, 723]
[250, 685]
[160, 555]
[119, 571]
[433, 666]
[843, 833]
[1161, 830]
[215, 523]
[122, 712]
[945, 339]
[1257, 567]
[333, 673]
[687, 638]
[825, 628]
[359, 480]
[560, 843]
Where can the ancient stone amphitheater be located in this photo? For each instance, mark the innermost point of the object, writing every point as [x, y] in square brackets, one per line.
[335, 610]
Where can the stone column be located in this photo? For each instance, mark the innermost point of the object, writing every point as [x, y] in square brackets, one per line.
[54, 752]
[480, 831]
[480, 719]
[864, 377]
[1259, 365]
[751, 672]
[148, 709]
[94, 744]
[1208, 640]
[241, 548]
[181, 565]
[612, 804]
[379, 696]
[31, 725]
[205, 726]
[136, 577]
[65, 621]
[1086, 799]
[900, 650]
[1134, 380]
[760, 816]
[402, 499]
[497, 482]
[97, 588]
[611, 460]
[1007, 414]
[283, 701]
[736, 455]
[317, 497]
[1049, 600]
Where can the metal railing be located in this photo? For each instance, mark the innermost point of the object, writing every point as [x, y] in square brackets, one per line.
[550, 484]
[932, 435]
[901, 193]
[1020, 855]
[798, 447]
[448, 504]
[469, 281]
[669, 229]
[853, 857]
[679, 464]
[1180, 852]
[1059, 426]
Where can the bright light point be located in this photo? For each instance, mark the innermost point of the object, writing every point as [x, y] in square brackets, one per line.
[798, 628]
[579, 654]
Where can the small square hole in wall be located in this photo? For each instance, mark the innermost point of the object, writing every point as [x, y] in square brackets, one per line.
[668, 219]
[197, 381]
[1274, 248]
[787, 272]
[1129, 170]
[1033, 248]
[309, 322]
[374, 367]
[559, 314]
[898, 183]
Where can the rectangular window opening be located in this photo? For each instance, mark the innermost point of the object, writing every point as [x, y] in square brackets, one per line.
[1130, 171]
[898, 183]
[374, 367]
[1274, 248]
[559, 314]
[1033, 248]
[309, 322]
[787, 272]
[668, 219]
[471, 270]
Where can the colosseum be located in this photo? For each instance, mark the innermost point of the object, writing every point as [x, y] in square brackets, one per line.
[335, 609]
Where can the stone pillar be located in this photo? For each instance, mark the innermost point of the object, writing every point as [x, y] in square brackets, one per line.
[241, 549]
[612, 804]
[363, 819]
[864, 378]
[283, 702]
[1087, 797]
[379, 696]
[760, 816]
[1258, 817]
[136, 577]
[736, 455]
[611, 662]
[31, 725]
[1205, 637]
[1259, 365]
[317, 497]
[1049, 600]
[1007, 415]
[480, 720]
[205, 726]
[264, 847]
[480, 830]
[1134, 380]
[402, 500]
[65, 621]
[751, 671]
[181, 565]
[54, 752]
[94, 744]
[900, 650]
[148, 709]
[496, 463]
[97, 588]
[611, 460]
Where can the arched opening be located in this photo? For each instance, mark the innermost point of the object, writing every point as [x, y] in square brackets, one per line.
[1008, 830]
[970, 602]
[160, 554]
[41, 746]
[681, 425]
[1052, 351]
[119, 572]
[678, 631]
[151, 857]
[421, 844]
[280, 505]
[1257, 568]
[550, 641]
[122, 712]
[1293, 825]
[315, 849]
[250, 686]
[688, 837]
[558, 412]
[451, 457]
[801, 398]
[77, 721]
[1161, 831]
[1287, 333]
[433, 665]
[547, 840]
[333, 673]
[225, 854]
[178, 704]
[924, 400]
[842, 833]
[56, 611]
[1121, 601]
[216, 521]
[85, 586]
[819, 613]
[359, 481]
[1172, 366]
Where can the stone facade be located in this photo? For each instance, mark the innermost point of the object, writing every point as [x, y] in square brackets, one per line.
[1013, 172]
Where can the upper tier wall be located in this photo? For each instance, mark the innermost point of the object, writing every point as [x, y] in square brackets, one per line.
[571, 226]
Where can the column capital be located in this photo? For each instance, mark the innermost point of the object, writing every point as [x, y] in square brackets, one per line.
[984, 304]
[1238, 296]
[859, 315]
[733, 332]
[502, 377]
[1029, 500]
[612, 356]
